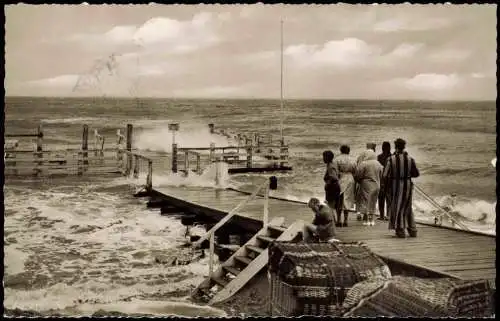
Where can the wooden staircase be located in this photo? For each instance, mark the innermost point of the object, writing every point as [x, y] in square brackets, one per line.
[246, 262]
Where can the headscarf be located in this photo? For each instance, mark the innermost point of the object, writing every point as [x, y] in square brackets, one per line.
[367, 155]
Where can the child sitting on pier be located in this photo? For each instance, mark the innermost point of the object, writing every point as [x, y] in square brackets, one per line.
[322, 227]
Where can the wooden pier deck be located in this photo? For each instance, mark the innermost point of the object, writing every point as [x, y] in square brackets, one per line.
[456, 253]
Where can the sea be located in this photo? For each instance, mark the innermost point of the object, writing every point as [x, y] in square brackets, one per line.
[85, 245]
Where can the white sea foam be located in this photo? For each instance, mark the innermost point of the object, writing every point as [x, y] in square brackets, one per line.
[90, 247]
[160, 139]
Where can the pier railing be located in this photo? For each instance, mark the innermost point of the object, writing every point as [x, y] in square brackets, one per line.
[210, 235]
[247, 138]
[41, 161]
[196, 159]
[136, 165]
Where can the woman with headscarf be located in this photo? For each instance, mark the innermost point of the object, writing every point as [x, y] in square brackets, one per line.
[331, 179]
[346, 167]
[368, 176]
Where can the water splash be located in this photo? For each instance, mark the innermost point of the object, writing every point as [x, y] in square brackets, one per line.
[160, 139]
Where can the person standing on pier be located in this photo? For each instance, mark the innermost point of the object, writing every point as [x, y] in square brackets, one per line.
[322, 227]
[397, 184]
[382, 159]
[331, 179]
[346, 168]
[368, 176]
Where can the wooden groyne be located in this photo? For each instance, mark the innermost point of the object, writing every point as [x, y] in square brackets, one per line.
[120, 159]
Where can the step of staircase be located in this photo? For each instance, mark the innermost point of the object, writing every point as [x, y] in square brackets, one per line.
[234, 271]
[266, 239]
[274, 228]
[243, 259]
[220, 281]
[254, 249]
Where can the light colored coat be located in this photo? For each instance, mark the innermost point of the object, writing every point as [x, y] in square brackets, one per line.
[368, 175]
[346, 167]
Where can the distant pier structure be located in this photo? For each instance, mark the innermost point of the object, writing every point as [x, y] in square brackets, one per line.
[250, 153]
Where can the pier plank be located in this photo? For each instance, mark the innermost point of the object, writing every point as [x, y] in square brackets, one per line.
[459, 253]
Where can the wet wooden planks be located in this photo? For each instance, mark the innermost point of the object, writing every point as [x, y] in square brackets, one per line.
[458, 253]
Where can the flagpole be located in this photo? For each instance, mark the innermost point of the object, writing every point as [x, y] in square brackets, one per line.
[281, 86]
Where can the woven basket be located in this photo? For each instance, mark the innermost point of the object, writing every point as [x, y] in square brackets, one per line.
[410, 296]
[313, 279]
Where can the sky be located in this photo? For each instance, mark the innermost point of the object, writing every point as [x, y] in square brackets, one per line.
[439, 52]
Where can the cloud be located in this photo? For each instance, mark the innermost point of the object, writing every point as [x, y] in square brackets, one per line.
[450, 55]
[432, 82]
[160, 33]
[58, 81]
[410, 23]
[348, 52]
[406, 50]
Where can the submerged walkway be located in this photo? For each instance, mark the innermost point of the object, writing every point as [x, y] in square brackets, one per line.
[465, 255]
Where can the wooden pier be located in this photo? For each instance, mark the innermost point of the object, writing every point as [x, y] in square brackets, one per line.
[436, 252]
[250, 153]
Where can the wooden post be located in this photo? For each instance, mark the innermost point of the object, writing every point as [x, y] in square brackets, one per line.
[217, 171]
[149, 179]
[211, 257]
[211, 127]
[283, 150]
[136, 166]
[84, 152]
[212, 153]
[174, 158]
[129, 148]
[186, 162]
[265, 219]
[101, 153]
[239, 142]
[39, 153]
[249, 156]
[198, 165]
[119, 153]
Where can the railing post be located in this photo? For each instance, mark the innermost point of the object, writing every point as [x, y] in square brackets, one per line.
[198, 165]
[129, 148]
[249, 155]
[239, 143]
[283, 153]
[211, 256]
[186, 162]
[136, 166]
[174, 158]
[217, 171]
[119, 153]
[149, 179]
[101, 153]
[265, 219]
[212, 153]
[39, 142]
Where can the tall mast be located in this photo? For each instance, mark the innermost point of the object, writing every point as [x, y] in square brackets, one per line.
[281, 87]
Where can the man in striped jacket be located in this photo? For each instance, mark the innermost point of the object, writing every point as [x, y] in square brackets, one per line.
[398, 188]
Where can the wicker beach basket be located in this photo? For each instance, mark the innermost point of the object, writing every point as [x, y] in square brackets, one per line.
[313, 279]
[411, 296]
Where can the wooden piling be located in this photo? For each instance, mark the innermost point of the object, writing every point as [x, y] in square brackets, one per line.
[211, 127]
[174, 158]
[212, 153]
[84, 153]
[149, 179]
[249, 156]
[39, 149]
[129, 148]
[198, 165]
[186, 162]
[136, 166]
